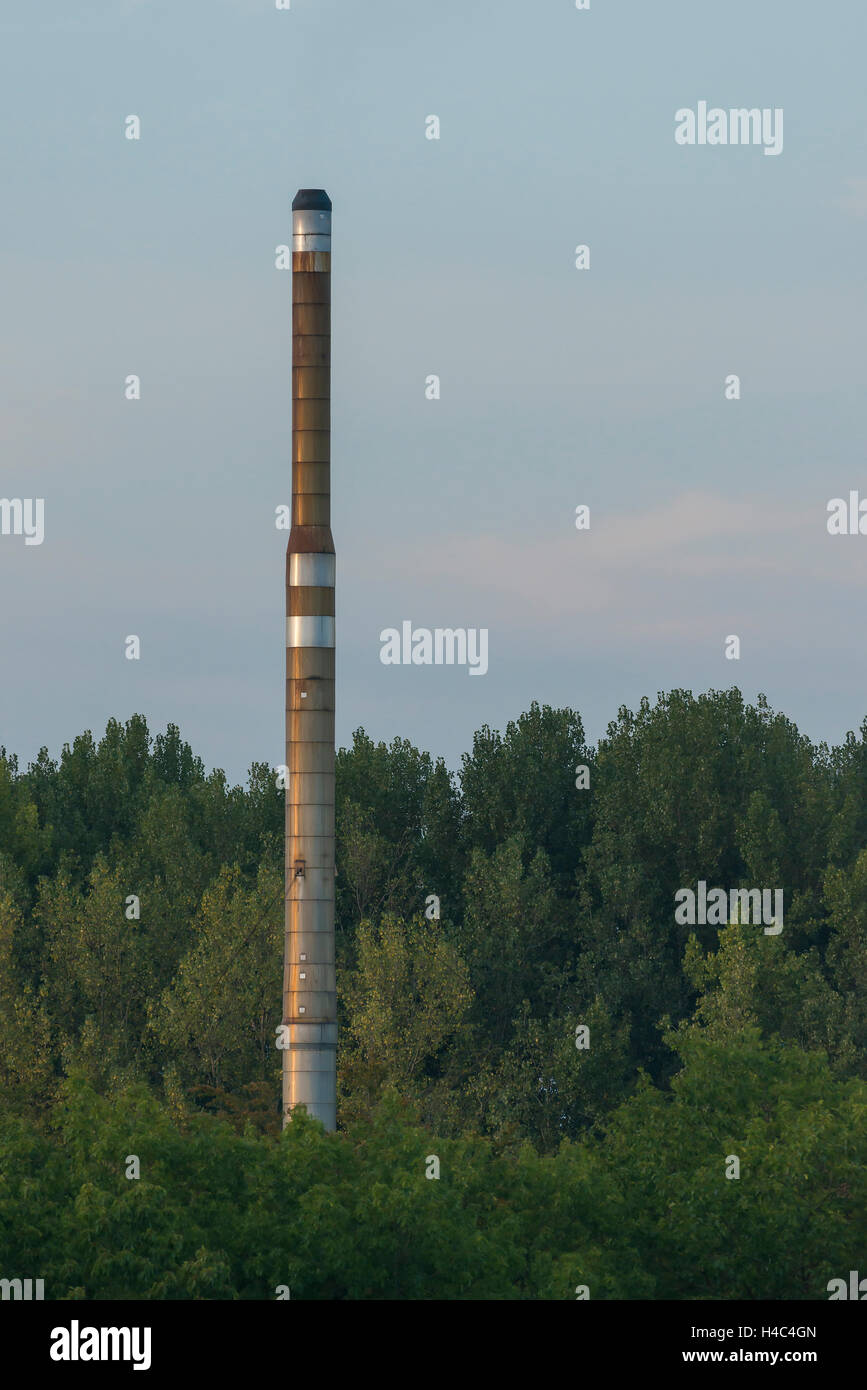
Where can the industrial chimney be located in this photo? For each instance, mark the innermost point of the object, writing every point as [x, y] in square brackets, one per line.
[309, 987]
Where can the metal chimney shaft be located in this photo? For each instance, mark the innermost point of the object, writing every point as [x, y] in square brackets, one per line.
[309, 986]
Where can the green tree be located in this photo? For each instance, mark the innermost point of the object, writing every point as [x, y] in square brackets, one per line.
[521, 787]
[795, 1216]
[26, 1061]
[219, 1018]
[404, 1002]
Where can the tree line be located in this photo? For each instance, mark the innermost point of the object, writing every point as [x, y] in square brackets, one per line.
[583, 1066]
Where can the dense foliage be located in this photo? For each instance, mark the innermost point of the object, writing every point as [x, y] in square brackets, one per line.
[140, 974]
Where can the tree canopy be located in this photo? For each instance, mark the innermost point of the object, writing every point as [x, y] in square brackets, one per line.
[583, 1066]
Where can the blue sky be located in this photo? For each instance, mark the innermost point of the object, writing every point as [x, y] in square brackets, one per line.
[454, 257]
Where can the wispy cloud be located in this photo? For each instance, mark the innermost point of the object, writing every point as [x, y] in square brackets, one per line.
[658, 572]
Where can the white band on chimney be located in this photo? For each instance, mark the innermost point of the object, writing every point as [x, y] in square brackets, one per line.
[312, 571]
[311, 222]
[304, 241]
[310, 632]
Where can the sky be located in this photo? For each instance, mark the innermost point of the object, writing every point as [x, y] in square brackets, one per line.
[603, 387]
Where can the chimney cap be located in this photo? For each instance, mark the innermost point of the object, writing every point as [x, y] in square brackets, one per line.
[311, 199]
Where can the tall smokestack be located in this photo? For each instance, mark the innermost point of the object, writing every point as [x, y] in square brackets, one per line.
[309, 987]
